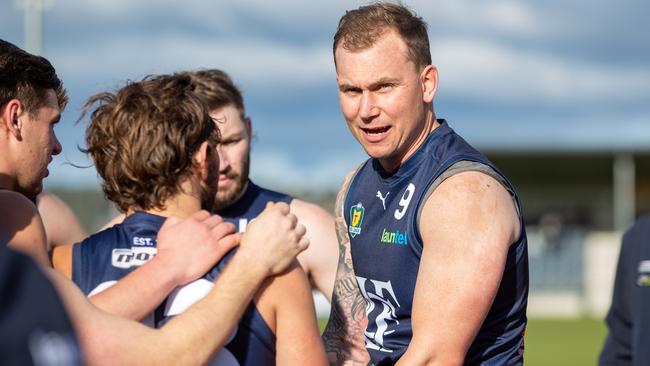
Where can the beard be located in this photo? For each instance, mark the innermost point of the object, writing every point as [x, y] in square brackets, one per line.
[228, 196]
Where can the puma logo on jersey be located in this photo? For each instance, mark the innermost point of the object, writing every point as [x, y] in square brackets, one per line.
[382, 199]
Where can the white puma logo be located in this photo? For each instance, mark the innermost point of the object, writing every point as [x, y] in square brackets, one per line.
[382, 198]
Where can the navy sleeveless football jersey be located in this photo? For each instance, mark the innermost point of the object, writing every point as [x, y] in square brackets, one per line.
[381, 211]
[34, 327]
[250, 205]
[104, 258]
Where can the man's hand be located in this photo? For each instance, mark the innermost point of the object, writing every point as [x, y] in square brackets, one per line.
[190, 247]
[274, 239]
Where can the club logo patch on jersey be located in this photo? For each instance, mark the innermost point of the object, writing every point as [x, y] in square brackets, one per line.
[643, 279]
[356, 218]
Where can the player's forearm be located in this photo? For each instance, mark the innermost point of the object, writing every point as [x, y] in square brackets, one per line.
[139, 293]
[344, 337]
[189, 338]
[427, 355]
[344, 334]
[195, 335]
[298, 341]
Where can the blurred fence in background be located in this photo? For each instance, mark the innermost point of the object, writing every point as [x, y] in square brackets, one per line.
[571, 272]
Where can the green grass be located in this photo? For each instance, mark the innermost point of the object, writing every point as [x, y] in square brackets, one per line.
[559, 342]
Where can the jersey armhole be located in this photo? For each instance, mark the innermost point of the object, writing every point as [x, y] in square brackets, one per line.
[460, 167]
[345, 188]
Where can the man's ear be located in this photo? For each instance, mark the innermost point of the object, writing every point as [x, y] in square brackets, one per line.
[201, 158]
[10, 117]
[248, 123]
[429, 79]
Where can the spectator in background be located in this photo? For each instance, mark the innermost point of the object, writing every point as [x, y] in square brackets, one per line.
[628, 321]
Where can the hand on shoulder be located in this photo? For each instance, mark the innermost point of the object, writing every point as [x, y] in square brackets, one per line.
[274, 239]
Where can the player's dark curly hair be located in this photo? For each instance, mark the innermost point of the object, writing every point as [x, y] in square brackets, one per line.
[216, 88]
[143, 138]
[359, 29]
[27, 77]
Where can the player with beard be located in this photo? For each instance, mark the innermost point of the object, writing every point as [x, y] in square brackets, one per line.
[31, 100]
[153, 144]
[239, 200]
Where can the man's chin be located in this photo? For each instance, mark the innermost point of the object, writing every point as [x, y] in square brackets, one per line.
[225, 200]
[31, 193]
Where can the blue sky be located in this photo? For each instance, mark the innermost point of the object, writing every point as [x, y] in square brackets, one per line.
[515, 75]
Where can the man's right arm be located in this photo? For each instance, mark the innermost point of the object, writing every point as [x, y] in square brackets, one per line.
[270, 245]
[141, 291]
[344, 334]
[192, 337]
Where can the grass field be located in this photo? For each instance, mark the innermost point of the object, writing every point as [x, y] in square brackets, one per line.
[561, 342]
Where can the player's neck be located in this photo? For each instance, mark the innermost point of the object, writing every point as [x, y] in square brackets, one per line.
[182, 205]
[7, 179]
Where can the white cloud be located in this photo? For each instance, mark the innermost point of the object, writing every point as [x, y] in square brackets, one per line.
[277, 168]
[488, 71]
[251, 61]
[468, 68]
[480, 17]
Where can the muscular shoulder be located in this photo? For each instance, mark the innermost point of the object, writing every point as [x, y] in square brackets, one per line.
[61, 224]
[309, 212]
[17, 204]
[272, 296]
[343, 190]
[474, 200]
[22, 228]
[51, 206]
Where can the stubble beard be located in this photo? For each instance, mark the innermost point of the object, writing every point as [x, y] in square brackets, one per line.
[225, 198]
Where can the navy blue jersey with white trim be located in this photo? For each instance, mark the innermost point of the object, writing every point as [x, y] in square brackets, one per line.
[381, 211]
[251, 204]
[106, 257]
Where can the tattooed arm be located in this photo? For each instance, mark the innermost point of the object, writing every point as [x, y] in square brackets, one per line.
[344, 334]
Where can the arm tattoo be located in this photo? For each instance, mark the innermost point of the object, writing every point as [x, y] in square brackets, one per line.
[344, 334]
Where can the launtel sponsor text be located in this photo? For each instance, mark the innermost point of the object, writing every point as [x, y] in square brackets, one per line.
[394, 237]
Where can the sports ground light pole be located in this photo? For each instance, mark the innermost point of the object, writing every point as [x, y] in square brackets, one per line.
[33, 27]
